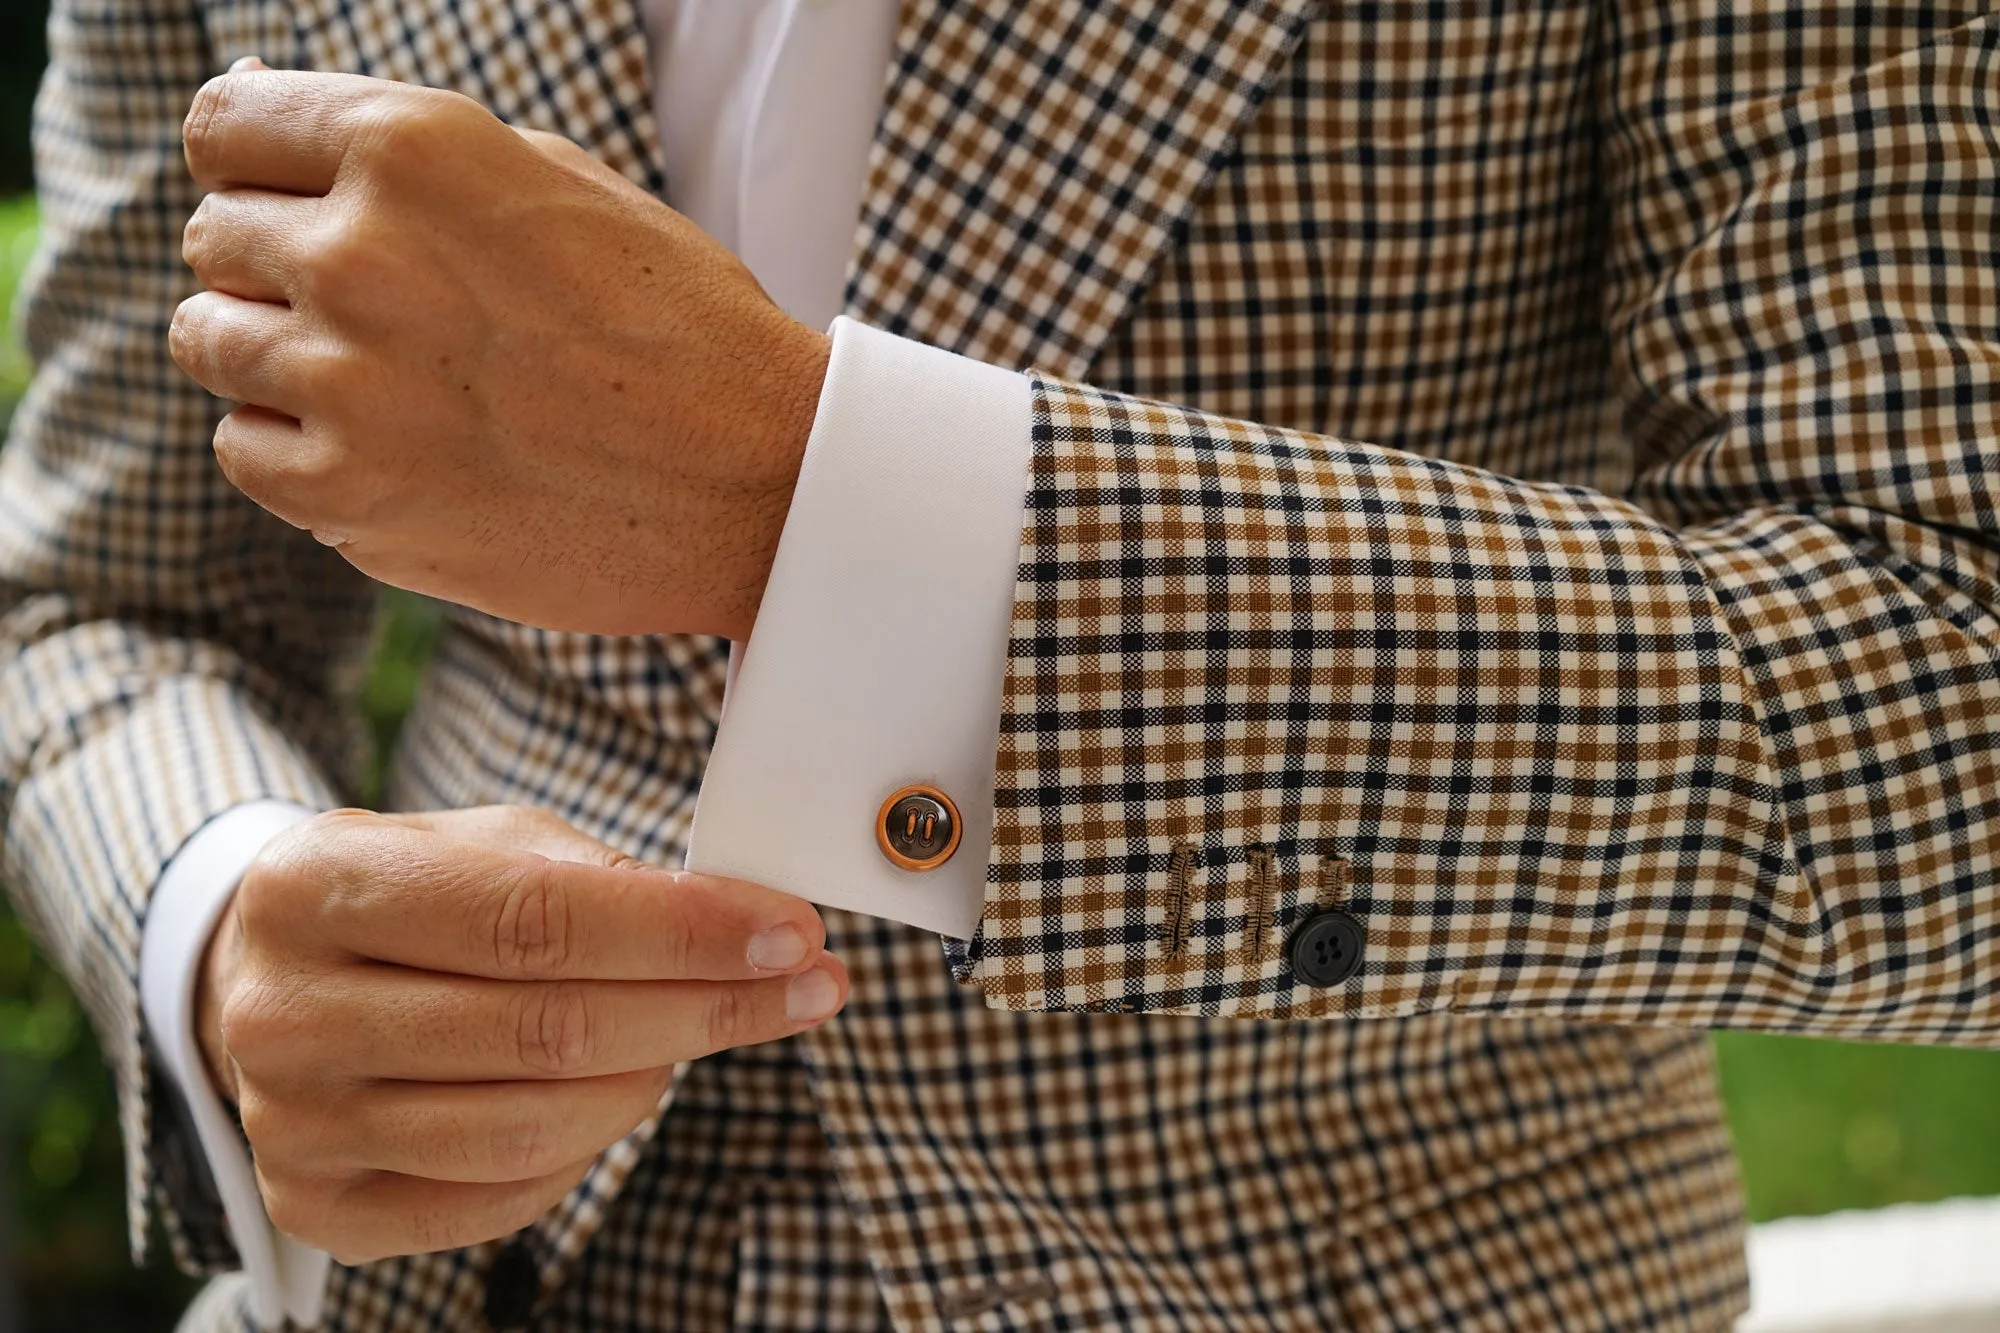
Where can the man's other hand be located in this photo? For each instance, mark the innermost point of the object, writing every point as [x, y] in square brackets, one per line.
[433, 1024]
[483, 365]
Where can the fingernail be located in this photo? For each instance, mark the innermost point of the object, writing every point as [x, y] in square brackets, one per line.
[777, 950]
[812, 996]
[246, 64]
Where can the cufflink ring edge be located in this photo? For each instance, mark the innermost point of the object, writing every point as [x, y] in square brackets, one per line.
[899, 859]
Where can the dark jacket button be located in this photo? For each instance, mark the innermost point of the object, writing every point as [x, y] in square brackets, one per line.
[1326, 949]
[513, 1285]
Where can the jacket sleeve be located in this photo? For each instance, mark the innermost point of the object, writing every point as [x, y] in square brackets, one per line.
[167, 650]
[1723, 750]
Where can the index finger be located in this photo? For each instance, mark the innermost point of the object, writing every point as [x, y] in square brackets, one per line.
[401, 895]
[285, 130]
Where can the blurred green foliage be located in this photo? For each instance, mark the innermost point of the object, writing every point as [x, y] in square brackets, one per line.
[1825, 1125]
[1820, 1125]
[17, 244]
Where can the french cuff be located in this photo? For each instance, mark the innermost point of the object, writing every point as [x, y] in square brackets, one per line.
[880, 648]
[287, 1280]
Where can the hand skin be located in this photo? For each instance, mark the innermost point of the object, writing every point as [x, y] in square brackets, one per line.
[484, 366]
[433, 1024]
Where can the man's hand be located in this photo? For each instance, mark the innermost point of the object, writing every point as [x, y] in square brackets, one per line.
[484, 366]
[433, 1024]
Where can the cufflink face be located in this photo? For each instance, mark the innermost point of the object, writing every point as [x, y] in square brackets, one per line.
[918, 828]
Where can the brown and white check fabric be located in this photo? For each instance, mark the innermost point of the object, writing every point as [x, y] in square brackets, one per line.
[1605, 611]
[1707, 743]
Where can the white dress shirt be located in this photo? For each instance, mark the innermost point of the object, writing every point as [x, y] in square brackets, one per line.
[881, 642]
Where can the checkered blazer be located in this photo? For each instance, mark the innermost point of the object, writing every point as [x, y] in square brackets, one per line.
[1522, 474]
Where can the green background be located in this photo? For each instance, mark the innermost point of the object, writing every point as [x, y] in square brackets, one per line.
[1820, 1125]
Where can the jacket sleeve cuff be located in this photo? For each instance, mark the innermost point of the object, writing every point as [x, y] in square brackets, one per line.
[881, 643]
[287, 1280]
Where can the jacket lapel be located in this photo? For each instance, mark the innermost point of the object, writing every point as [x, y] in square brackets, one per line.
[1035, 157]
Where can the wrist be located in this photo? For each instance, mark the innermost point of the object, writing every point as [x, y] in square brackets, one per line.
[788, 403]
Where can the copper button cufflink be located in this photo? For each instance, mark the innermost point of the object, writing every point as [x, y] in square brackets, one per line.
[918, 828]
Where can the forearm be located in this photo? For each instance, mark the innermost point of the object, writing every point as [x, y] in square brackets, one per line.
[1716, 751]
[1522, 733]
[1549, 753]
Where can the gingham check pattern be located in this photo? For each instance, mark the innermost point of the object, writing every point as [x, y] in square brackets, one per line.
[1714, 746]
[1705, 741]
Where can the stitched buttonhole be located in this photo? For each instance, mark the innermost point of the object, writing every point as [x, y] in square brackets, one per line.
[1257, 927]
[1180, 901]
[1332, 883]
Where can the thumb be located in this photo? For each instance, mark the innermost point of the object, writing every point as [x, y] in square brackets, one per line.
[520, 828]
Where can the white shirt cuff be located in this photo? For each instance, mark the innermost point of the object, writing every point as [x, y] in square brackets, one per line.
[881, 644]
[287, 1280]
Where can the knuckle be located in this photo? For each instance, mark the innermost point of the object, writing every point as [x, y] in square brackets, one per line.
[316, 481]
[271, 1128]
[291, 1206]
[323, 469]
[240, 1018]
[301, 1201]
[732, 1019]
[351, 1221]
[319, 376]
[344, 263]
[299, 845]
[239, 461]
[618, 860]
[210, 106]
[255, 1018]
[429, 1230]
[267, 901]
[420, 1140]
[295, 869]
[306, 854]
[452, 1145]
[259, 1120]
[553, 1029]
[315, 1209]
[323, 376]
[186, 335]
[253, 902]
[525, 1146]
[533, 934]
[408, 126]
[197, 234]
[215, 342]
[676, 938]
